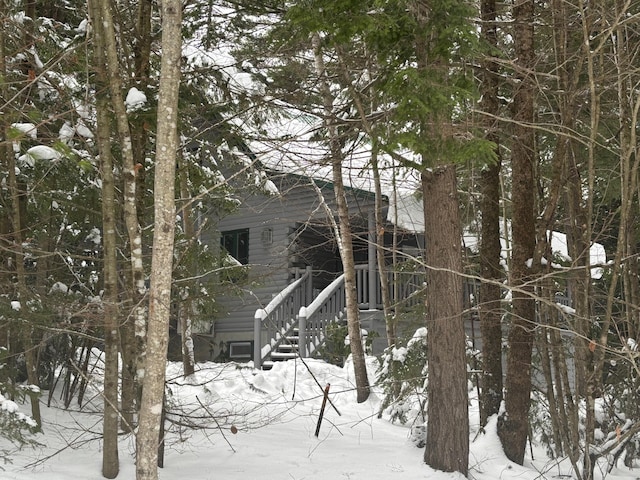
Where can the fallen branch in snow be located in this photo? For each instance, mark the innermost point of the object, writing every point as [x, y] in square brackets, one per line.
[319, 385]
[324, 404]
[206, 409]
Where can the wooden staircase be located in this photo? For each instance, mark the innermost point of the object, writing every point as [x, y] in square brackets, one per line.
[294, 323]
[286, 350]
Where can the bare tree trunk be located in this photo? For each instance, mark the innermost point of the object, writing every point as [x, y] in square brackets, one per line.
[353, 311]
[389, 317]
[147, 440]
[186, 302]
[110, 460]
[631, 325]
[513, 426]
[489, 307]
[133, 355]
[5, 216]
[545, 347]
[344, 240]
[110, 465]
[447, 445]
[584, 355]
[383, 270]
[17, 220]
[30, 347]
[628, 111]
[131, 330]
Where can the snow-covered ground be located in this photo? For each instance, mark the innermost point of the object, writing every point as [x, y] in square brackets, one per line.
[261, 425]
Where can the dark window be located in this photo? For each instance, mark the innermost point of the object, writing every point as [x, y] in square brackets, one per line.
[236, 243]
[240, 350]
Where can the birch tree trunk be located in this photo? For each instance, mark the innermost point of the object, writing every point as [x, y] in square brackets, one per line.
[132, 332]
[186, 304]
[110, 460]
[133, 356]
[385, 289]
[148, 438]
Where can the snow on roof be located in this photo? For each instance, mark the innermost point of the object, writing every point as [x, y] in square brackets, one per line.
[407, 212]
[597, 253]
[290, 143]
[289, 140]
[291, 146]
[559, 249]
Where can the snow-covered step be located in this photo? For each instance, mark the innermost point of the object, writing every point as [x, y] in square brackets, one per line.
[279, 356]
[288, 347]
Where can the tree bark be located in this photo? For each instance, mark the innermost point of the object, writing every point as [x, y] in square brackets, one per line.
[447, 445]
[628, 112]
[110, 460]
[17, 220]
[344, 240]
[133, 354]
[186, 300]
[5, 215]
[29, 345]
[489, 309]
[383, 270]
[147, 440]
[385, 288]
[513, 426]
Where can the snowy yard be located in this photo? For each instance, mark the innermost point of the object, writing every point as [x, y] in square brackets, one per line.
[274, 416]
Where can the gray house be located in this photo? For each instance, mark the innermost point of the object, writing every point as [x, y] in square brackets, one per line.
[293, 278]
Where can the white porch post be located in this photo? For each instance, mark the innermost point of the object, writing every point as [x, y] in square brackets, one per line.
[257, 338]
[302, 333]
[309, 292]
[371, 257]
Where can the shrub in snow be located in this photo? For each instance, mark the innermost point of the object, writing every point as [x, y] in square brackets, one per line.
[335, 349]
[418, 435]
[403, 377]
[619, 408]
[15, 426]
[617, 411]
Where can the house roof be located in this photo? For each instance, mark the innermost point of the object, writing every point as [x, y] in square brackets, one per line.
[324, 184]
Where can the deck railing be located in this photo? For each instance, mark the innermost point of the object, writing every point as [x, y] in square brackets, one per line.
[294, 308]
[327, 307]
[404, 288]
[279, 317]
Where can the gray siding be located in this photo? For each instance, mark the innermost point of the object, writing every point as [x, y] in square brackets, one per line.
[296, 203]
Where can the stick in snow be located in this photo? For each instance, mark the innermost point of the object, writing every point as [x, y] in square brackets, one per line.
[324, 404]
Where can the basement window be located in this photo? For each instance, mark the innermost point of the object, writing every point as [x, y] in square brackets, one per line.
[240, 350]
